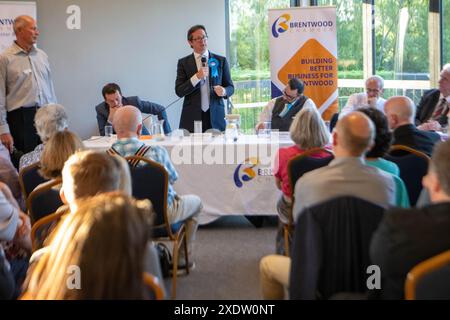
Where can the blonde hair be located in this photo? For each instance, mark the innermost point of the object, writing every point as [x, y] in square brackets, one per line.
[57, 150]
[106, 238]
[88, 173]
[308, 130]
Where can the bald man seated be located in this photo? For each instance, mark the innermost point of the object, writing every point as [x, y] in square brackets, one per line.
[127, 123]
[347, 174]
[401, 113]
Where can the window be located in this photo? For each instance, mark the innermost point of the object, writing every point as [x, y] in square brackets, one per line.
[249, 56]
[446, 30]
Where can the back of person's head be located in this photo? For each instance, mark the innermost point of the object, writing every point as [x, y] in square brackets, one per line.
[49, 119]
[89, 173]
[99, 250]
[127, 121]
[383, 136]
[308, 130]
[446, 68]
[400, 110]
[354, 135]
[440, 166]
[110, 88]
[296, 84]
[57, 150]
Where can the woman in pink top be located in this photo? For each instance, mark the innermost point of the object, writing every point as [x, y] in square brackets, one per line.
[308, 131]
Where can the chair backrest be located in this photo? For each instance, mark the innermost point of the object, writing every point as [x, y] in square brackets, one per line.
[413, 166]
[304, 162]
[29, 178]
[44, 200]
[154, 284]
[151, 181]
[330, 252]
[430, 279]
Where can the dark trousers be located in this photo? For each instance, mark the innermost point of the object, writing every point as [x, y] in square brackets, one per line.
[23, 131]
[206, 120]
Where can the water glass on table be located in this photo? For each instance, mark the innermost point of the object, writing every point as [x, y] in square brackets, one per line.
[109, 132]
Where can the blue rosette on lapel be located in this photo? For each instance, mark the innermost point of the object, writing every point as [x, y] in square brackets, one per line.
[214, 65]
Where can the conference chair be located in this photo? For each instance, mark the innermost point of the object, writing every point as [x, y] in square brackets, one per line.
[330, 252]
[297, 167]
[44, 200]
[333, 121]
[413, 166]
[151, 181]
[430, 279]
[41, 229]
[154, 284]
[29, 178]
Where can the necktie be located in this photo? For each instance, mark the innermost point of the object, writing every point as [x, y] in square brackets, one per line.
[441, 108]
[286, 109]
[204, 89]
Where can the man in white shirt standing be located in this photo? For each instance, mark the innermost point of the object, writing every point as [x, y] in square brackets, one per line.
[282, 110]
[25, 85]
[372, 98]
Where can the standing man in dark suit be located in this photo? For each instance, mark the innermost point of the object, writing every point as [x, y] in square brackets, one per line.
[114, 100]
[204, 80]
[400, 112]
[406, 237]
[433, 108]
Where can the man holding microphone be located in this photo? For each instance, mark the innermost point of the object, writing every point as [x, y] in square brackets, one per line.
[204, 80]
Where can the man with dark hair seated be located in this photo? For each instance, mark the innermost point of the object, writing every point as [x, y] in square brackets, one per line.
[407, 237]
[114, 100]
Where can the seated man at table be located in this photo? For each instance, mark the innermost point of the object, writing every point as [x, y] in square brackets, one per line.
[372, 98]
[433, 108]
[128, 124]
[114, 100]
[282, 110]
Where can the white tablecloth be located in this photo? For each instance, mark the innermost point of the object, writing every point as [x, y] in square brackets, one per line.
[231, 178]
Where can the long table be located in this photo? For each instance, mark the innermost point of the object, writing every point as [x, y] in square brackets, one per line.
[231, 177]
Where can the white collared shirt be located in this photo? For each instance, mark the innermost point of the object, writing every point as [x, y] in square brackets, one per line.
[198, 57]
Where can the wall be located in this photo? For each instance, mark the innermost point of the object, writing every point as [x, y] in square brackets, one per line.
[135, 43]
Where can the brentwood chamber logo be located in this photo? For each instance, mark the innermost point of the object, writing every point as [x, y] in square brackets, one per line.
[281, 25]
[245, 172]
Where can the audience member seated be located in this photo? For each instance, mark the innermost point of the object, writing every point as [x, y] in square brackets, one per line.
[372, 98]
[114, 100]
[128, 125]
[15, 241]
[433, 108]
[57, 150]
[400, 112]
[347, 175]
[280, 111]
[89, 173]
[406, 237]
[308, 131]
[9, 176]
[48, 120]
[374, 157]
[83, 254]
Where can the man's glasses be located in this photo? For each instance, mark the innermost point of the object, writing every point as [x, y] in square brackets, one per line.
[199, 39]
[288, 96]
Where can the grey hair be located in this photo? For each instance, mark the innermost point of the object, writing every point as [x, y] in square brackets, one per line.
[20, 22]
[379, 79]
[308, 130]
[50, 119]
[446, 68]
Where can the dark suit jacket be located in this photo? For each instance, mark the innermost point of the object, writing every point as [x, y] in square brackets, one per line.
[406, 237]
[192, 110]
[426, 107]
[145, 107]
[412, 137]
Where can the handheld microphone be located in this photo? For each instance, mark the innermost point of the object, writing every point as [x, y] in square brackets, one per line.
[203, 60]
